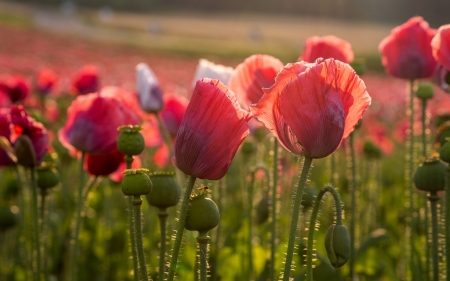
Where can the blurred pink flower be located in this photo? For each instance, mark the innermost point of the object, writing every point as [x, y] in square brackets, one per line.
[173, 112]
[85, 80]
[327, 47]
[46, 81]
[17, 87]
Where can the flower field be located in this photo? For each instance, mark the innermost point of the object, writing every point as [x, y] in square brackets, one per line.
[123, 163]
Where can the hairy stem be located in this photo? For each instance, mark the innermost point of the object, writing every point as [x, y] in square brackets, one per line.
[203, 240]
[162, 215]
[433, 197]
[137, 201]
[274, 203]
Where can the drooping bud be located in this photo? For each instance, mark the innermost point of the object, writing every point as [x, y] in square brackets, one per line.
[425, 90]
[7, 218]
[130, 141]
[26, 156]
[337, 243]
[136, 182]
[203, 214]
[430, 176]
[165, 191]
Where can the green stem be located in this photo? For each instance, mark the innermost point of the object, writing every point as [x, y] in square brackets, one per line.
[274, 205]
[129, 161]
[137, 201]
[354, 187]
[36, 232]
[43, 231]
[312, 225]
[180, 229]
[250, 225]
[424, 128]
[447, 223]
[410, 182]
[165, 134]
[203, 240]
[219, 201]
[294, 219]
[162, 215]
[434, 197]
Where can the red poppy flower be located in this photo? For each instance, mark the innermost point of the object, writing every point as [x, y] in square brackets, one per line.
[17, 87]
[327, 47]
[407, 51]
[441, 46]
[5, 131]
[211, 131]
[255, 73]
[46, 80]
[5, 100]
[23, 124]
[103, 164]
[313, 106]
[85, 80]
[92, 122]
[173, 112]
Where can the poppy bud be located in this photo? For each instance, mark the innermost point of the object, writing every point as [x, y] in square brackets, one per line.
[444, 152]
[130, 141]
[430, 176]
[47, 176]
[262, 210]
[425, 91]
[26, 156]
[7, 218]
[165, 191]
[203, 214]
[136, 182]
[337, 243]
[371, 150]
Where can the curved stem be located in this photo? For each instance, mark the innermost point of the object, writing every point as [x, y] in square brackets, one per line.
[180, 229]
[354, 187]
[129, 161]
[137, 201]
[165, 134]
[274, 205]
[294, 219]
[203, 240]
[434, 197]
[162, 215]
[312, 224]
[36, 230]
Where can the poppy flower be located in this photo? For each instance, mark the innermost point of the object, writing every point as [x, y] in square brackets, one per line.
[173, 112]
[327, 47]
[255, 73]
[212, 129]
[103, 164]
[313, 106]
[46, 80]
[5, 131]
[92, 122]
[441, 46]
[208, 69]
[85, 80]
[147, 87]
[406, 52]
[5, 100]
[17, 87]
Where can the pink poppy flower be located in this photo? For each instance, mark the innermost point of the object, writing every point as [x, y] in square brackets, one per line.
[148, 91]
[5, 100]
[85, 80]
[46, 80]
[5, 131]
[249, 77]
[313, 106]
[441, 46]
[406, 52]
[103, 164]
[327, 47]
[173, 112]
[17, 87]
[212, 129]
[92, 122]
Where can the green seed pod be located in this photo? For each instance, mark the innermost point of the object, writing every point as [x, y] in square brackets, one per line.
[203, 214]
[136, 182]
[7, 218]
[47, 176]
[443, 132]
[371, 150]
[425, 90]
[130, 141]
[359, 66]
[444, 152]
[26, 156]
[430, 176]
[309, 196]
[262, 210]
[165, 191]
[337, 243]
[248, 147]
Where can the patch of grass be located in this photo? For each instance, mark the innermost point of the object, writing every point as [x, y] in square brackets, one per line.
[14, 19]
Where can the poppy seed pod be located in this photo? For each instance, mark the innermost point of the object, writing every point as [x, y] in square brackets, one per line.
[425, 91]
[430, 176]
[136, 182]
[203, 214]
[337, 243]
[165, 191]
[248, 147]
[47, 176]
[444, 152]
[130, 141]
[7, 218]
